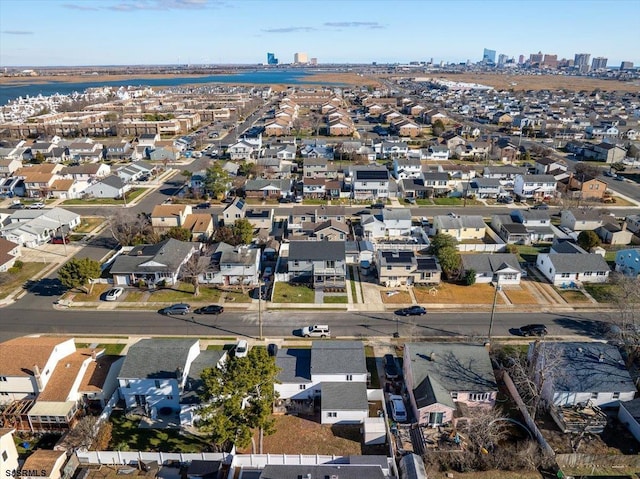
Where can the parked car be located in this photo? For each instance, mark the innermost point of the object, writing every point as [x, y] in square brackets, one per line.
[316, 331]
[533, 330]
[59, 240]
[390, 367]
[618, 178]
[412, 311]
[377, 206]
[179, 308]
[113, 294]
[241, 349]
[211, 309]
[284, 199]
[268, 271]
[398, 411]
[505, 199]
[17, 206]
[204, 206]
[541, 206]
[36, 206]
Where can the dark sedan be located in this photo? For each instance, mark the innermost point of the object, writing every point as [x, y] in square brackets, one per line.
[211, 309]
[412, 311]
[391, 370]
[533, 330]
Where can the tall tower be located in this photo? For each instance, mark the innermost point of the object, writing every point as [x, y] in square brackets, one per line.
[489, 56]
[581, 62]
[300, 58]
[271, 59]
[599, 63]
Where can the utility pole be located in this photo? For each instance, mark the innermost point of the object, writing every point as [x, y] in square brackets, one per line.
[64, 241]
[493, 309]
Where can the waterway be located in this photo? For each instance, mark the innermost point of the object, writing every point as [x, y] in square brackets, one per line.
[289, 77]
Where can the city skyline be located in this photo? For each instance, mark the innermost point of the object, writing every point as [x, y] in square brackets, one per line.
[126, 32]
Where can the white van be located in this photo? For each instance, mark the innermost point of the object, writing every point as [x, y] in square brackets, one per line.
[316, 331]
[398, 411]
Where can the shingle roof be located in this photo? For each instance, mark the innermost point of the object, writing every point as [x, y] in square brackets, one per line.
[168, 255]
[156, 358]
[489, 263]
[294, 364]
[578, 263]
[344, 396]
[18, 356]
[321, 471]
[317, 250]
[337, 357]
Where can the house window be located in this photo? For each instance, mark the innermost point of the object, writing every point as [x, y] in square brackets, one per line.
[588, 273]
[170, 397]
[349, 377]
[5, 456]
[4, 393]
[454, 396]
[157, 383]
[3, 378]
[302, 386]
[332, 414]
[296, 262]
[388, 268]
[563, 275]
[478, 397]
[616, 395]
[603, 273]
[594, 395]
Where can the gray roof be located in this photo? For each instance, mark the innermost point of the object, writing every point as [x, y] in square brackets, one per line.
[539, 178]
[321, 471]
[578, 263]
[486, 182]
[295, 365]
[344, 396]
[207, 358]
[336, 357]
[566, 247]
[114, 181]
[579, 368]
[396, 214]
[168, 255]
[633, 407]
[156, 358]
[239, 256]
[255, 185]
[459, 222]
[317, 250]
[489, 263]
[454, 368]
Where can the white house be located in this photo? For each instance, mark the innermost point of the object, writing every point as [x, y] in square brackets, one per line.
[32, 228]
[581, 372]
[537, 187]
[112, 186]
[154, 373]
[332, 370]
[9, 252]
[567, 269]
[370, 184]
[407, 168]
[8, 451]
[397, 222]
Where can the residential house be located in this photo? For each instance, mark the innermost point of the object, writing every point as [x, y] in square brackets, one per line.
[510, 231]
[568, 270]
[538, 187]
[8, 450]
[584, 219]
[438, 182]
[329, 230]
[200, 225]
[332, 371]
[277, 127]
[486, 187]
[134, 171]
[48, 463]
[152, 264]
[606, 152]
[452, 140]
[314, 188]
[32, 228]
[317, 149]
[9, 166]
[234, 211]
[477, 150]
[116, 149]
[633, 223]
[398, 268]
[267, 189]
[112, 186]
[318, 168]
[437, 152]
[462, 228]
[614, 234]
[397, 222]
[407, 168]
[9, 252]
[391, 149]
[165, 217]
[628, 262]
[581, 372]
[506, 174]
[242, 150]
[155, 372]
[499, 268]
[86, 171]
[323, 265]
[370, 183]
[317, 214]
[12, 187]
[537, 223]
[549, 166]
[414, 188]
[240, 265]
[440, 377]
[583, 187]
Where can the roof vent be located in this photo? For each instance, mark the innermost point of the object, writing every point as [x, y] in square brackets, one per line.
[601, 358]
[580, 350]
[432, 357]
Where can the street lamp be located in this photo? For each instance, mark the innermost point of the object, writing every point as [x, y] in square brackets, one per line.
[493, 308]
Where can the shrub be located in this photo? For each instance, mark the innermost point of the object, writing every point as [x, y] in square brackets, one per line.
[18, 264]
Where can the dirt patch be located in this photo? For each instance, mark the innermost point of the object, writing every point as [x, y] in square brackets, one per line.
[401, 297]
[447, 293]
[520, 296]
[573, 296]
[301, 435]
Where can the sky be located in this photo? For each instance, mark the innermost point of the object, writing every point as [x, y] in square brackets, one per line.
[135, 32]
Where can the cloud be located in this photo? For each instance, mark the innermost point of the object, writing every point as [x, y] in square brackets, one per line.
[17, 32]
[289, 30]
[76, 6]
[164, 5]
[374, 25]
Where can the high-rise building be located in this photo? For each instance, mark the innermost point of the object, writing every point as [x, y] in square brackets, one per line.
[535, 59]
[520, 59]
[626, 66]
[313, 61]
[489, 56]
[502, 59]
[581, 62]
[300, 58]
[599, 63]
[271, 59]
[550, 61]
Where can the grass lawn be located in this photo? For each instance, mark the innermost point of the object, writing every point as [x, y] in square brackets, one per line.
[401, 297]
[335, 300]
[97, 291]
[131, 195]
[622, 202]
[315, 201]
[184, 292]
[455, 202]
[127, 435]
[110, 349]
[89, 223]
[287, 293]
[448, 293]
[11, 281]
[424, 202]
[529, 253]
[294, 434]
[520, 296]
[572, 295]
[600, 292]
[372, 367]
[235, 296]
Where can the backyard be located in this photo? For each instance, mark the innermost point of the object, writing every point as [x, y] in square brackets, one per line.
[288, 293]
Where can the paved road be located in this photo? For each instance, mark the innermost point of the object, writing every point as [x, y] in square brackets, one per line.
[25, 318]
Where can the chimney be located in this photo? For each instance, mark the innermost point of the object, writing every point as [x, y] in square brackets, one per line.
[432, 356]
[601, 358]
[93, 354]
[36, 375]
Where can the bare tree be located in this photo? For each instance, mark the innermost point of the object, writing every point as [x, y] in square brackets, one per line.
[192, 269]
[129, 228]
[83, 434]
[625, 298]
